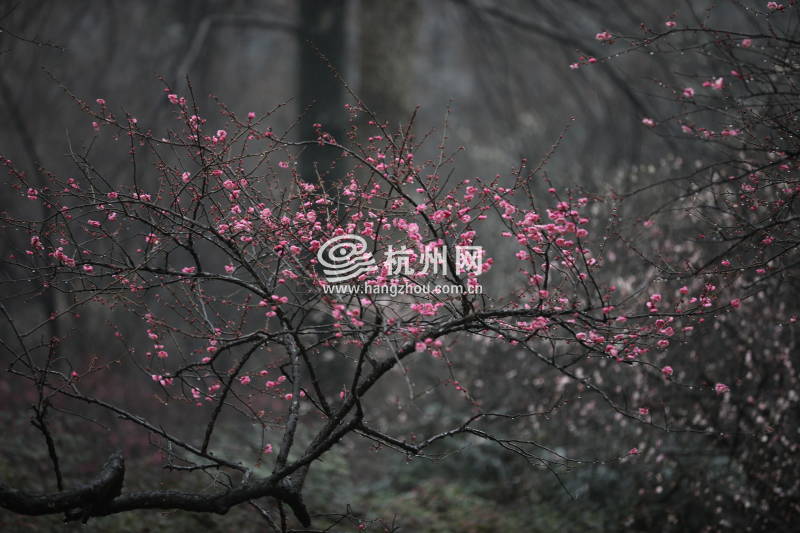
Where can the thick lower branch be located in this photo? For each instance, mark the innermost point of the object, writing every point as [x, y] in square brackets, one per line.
[206, 503]
[103, 496]
[82, 500]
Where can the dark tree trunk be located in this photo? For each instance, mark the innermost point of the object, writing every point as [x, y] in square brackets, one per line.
[321, 33]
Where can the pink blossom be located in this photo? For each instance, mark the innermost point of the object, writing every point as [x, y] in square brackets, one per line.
[775, 6]
[688, 92]
[716, 84]
[427, 308]
[670, 24]
[251, 116]
[644, 411]
[268, 449]
[667, 371]
[230, 269]
[244, 380]
[633, 451]
[649, 122]
[736, 303]
[721, 388]
[441, 215]
[747, 43]
[173, 98]
[188, 270]
[604, 36]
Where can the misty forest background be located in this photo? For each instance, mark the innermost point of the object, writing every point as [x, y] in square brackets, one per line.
[502, 71]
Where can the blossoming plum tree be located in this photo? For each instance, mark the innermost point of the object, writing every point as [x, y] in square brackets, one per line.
[731, 102]
[210, 248]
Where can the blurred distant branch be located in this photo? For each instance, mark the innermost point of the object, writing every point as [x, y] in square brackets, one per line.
[519, 21]
[30, 40]
[210, 21]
